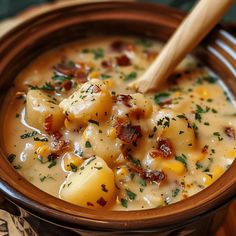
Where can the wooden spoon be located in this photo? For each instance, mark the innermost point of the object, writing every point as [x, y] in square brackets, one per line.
[204, 16]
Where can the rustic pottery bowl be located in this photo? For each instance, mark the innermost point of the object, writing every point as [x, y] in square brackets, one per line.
[200, 214]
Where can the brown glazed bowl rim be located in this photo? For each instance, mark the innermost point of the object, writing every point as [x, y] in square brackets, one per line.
[16, 189]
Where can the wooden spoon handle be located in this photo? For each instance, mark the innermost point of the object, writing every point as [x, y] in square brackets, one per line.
[196, 25]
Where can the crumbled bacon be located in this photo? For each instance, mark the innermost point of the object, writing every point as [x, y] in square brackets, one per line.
[164, 148]
[59, 146]
[204, 150]
[81, 75]
[101, 201]
[80, 72]
[230, 132]
[119, 46]
[165, 103]
[123, 60]
[107, 64]
[155, 176]
[65, 69]
[48, 123]
[67, 85]
[137, 113]
[90, 204]
[56, 135]
[128, 133]
[96, 89]
[53, 156]
[125, 99]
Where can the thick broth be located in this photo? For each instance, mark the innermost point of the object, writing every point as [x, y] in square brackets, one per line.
[161, 148]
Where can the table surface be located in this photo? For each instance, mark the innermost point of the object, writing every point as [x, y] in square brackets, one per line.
[228, 227]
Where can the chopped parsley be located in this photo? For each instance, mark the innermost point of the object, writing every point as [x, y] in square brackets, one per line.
[88, 144]
[73, 167]
[124, 202]
[28, 135]
[175, 192]
[164, 122]
[131, 195]
[52, 163]
[160, 97]
[182, 158]
[60, 78]
[132, 75]
[43, 139]
[97, 53]
[217, 134]
[147, 43]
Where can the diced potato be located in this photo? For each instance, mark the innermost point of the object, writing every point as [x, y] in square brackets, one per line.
[91, 102]
[92, 186]
[102, 143]
[142, 103]
[176, 129]
[70, 159]
[40, 106]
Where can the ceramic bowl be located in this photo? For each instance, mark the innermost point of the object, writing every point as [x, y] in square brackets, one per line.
[47, 215]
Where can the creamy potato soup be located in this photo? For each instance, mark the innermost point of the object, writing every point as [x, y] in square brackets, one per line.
[75, 130]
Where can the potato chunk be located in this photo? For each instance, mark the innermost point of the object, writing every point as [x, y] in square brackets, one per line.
[102, 141]
[92, 186]
[91, 101]
[40, 107]
[177, 129]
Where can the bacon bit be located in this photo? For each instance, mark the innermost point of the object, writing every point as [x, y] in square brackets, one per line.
[173, 78]
[60, 146]
[155, 176]
[107, 64]
[48, 122]
[118, 46]
[123, 60]
[204, 150]
[67, 85]
[56, 135]
[96, 89]
[90, 204]
[81, 75]
[128, 133]
[101, 201]
[151, 175]
[125, 99]
[53, 156]
[230, 132]
[137, 113]
[165, 103]
[68, 70]
[164, 148]
[104, 189]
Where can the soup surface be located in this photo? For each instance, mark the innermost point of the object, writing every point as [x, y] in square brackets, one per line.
[75, 130]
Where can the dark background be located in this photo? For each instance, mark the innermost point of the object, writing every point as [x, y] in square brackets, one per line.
[12, 7]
